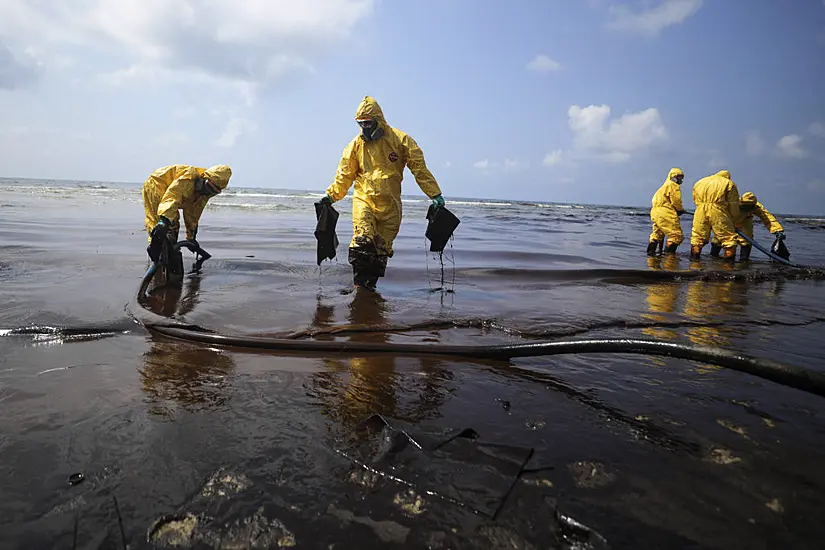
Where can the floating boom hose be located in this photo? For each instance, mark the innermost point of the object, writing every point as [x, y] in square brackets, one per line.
[767, 252]
[795, 377]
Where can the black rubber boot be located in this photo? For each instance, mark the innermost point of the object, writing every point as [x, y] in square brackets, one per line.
[745, 253]
[671, 248]
[730, 254]
[715, 249]
[367, 265]
[651, 248]
[695, 252]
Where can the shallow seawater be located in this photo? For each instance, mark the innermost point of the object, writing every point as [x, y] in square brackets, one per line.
[189, 445]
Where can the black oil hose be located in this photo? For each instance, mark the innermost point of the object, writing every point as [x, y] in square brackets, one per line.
[800, 378]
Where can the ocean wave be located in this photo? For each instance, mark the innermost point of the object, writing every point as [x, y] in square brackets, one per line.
[254, 206]
[240, 193]
[807, 221]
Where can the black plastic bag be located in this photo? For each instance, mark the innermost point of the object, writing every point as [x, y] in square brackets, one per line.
[778, 247]
[327, 218]
[440, 228]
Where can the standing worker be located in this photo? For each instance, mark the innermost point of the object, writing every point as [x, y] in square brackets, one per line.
[748, 208]
[665, 211]
[375, 161]
[717, 207]
[174, 187]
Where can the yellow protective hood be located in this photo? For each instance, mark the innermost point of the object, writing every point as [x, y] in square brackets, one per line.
[369, 108]
[748, 199]
[723, 173]
[219, 175]
[675, 172]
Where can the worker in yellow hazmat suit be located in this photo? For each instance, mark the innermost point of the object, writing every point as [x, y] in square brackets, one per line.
[375, 160]
[748, 208]
[179, 187]
[717, 207]
[666, 207]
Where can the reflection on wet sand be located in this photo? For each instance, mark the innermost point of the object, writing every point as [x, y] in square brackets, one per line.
[661, 300]
[191, 376]
[174, 301]
[710, 302]
[187, 375]
[714, 301]
[354, 389]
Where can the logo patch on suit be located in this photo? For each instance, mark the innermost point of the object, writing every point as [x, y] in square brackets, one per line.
[393, 156]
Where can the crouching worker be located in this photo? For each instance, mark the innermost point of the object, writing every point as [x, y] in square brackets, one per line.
[179, 187]
[749, 208]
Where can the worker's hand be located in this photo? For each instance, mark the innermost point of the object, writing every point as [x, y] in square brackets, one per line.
[161, 228]
[327, 200]
[438, 201]
[680, 212]
[780, 235]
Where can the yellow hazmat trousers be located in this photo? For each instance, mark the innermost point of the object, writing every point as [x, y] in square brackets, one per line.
[377, 168]
[666, 204]
[717, 207]
[748, 208]
[170, 188]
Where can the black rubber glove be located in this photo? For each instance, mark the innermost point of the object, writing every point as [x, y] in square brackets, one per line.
[326, 200]
[159, 233]
[161, 228]
[680, 212]
[780, 235]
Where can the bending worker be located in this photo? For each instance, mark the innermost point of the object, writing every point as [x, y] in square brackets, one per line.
[174, 187]
[665, 211]
[748, 208]
[375, 161]
[717, 207]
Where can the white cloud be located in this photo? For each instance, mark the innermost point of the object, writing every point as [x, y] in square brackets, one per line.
[514, 164]
[817, 128]
[553, 158]
[170, 140]
[616, 140]
[754, 145]
[717, 160]
[790, 146]
[184, 112]
[235, 128]
[543, 64]
[508, 164]
[254, 42]
[653, 20]
[17, 69]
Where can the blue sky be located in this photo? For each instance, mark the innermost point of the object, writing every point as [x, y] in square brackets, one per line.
[588, 101]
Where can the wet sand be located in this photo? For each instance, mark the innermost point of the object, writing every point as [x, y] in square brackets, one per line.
[646, 451]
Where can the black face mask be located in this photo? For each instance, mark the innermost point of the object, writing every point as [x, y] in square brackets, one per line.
[206, 188]
[370, 130]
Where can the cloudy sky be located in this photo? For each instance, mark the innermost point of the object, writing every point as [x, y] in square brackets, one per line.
[562, 100]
